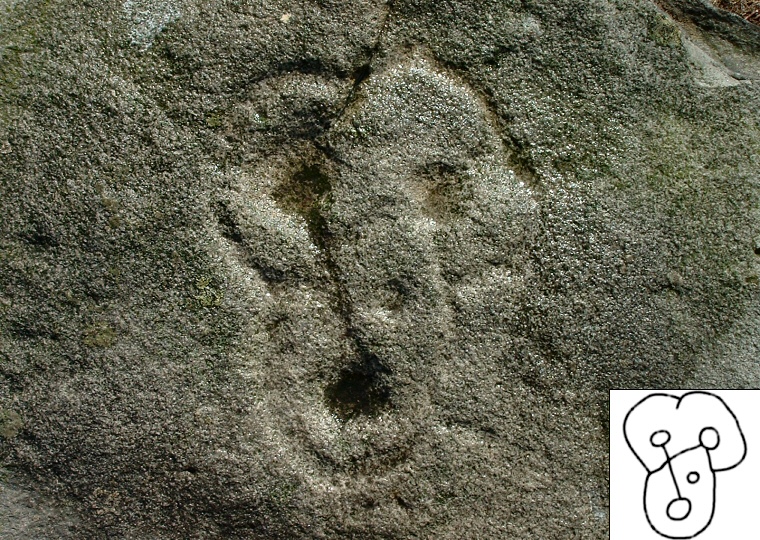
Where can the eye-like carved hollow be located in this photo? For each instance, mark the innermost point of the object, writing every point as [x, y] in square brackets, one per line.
[306, 194]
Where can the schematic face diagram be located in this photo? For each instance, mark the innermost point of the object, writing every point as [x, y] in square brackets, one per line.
[683, 442]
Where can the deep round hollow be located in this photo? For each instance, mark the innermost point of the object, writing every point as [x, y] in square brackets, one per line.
[361, 390]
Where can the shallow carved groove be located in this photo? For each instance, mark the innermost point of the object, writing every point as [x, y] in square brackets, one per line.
[306, 194]
[227, 225]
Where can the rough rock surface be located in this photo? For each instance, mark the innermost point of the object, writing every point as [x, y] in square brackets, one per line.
[330, 269]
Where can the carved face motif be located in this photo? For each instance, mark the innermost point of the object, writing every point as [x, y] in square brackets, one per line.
[362, 261]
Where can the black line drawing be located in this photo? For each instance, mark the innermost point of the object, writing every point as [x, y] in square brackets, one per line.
[682, 442]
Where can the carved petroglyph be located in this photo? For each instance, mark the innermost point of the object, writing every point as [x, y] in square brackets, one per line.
[358, 238]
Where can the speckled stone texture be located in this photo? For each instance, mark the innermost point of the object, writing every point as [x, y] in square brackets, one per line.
[361, 270]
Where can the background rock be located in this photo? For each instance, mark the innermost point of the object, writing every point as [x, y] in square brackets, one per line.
[336, 270]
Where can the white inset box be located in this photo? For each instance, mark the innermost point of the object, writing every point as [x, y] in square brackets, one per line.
[684, 464]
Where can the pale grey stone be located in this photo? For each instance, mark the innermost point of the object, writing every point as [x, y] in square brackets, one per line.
[333, 269]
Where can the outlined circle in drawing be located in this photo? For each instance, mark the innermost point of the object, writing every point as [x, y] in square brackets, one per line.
[660, 438]
[683, 442]
[679, 509]
[709, 438]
